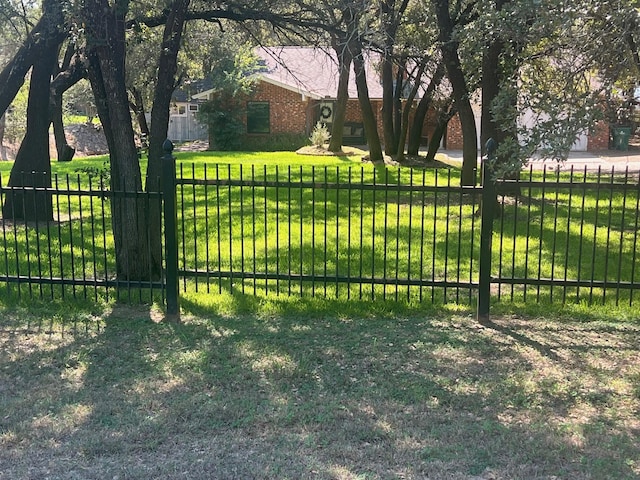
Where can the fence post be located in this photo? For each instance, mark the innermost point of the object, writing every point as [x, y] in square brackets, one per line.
[488, 212]
[170, 228]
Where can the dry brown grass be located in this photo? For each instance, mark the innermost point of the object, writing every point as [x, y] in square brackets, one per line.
[122, 396]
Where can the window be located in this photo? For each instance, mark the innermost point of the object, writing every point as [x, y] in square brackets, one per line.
[258, 117]
[193, 108]
[178, 109]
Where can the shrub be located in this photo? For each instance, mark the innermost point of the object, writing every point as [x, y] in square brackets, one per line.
[320, 135]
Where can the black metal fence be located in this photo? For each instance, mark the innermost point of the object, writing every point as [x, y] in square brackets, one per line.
[73, 253]
[348, 232]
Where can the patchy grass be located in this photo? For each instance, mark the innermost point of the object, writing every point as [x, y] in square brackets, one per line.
[279, 392]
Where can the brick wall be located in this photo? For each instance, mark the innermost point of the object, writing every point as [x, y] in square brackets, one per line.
[453, 140]
[289, 113]
[287, 109]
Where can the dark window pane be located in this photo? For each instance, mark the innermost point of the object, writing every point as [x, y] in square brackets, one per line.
[258, 117]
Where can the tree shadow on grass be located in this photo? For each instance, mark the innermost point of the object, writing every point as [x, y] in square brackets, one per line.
[301, 393]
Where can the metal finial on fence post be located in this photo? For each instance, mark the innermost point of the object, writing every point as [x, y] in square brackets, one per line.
[170, 229]
[486, 231]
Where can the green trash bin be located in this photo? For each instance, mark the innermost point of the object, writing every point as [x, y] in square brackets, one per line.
[621, 136]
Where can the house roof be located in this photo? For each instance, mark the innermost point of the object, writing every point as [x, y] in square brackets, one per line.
[309, 71]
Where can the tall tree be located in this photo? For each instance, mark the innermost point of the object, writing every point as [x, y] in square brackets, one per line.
[342, 46]
[165, 85]
[449, 47]
[390, 19]
[32, 167]
[368, 116]
[105, 26]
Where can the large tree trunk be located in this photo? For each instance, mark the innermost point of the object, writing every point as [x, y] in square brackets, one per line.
[105, 25]
[50, 29]
[32, 167]
[368, 116]
[449, 49]
[165, 85]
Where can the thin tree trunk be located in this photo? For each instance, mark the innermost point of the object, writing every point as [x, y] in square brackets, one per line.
[165, 85]
[404, 124]
[368, 116]
[137, 105]
[415, 131]
[3, 150]
[64, 150]
[441, 127]
[449, 49]
[345, 59]
[388, 94]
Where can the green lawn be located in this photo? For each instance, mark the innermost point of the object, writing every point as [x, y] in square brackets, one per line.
[287, 229]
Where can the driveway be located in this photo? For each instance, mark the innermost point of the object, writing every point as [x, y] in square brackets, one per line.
[592, 161]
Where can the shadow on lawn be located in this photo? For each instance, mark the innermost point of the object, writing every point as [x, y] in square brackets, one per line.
[300, 394]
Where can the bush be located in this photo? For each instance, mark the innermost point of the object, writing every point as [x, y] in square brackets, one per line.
[320, 135]
[223, 117]
[286, 142]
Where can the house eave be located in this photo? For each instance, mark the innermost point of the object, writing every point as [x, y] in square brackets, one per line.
[292, 88]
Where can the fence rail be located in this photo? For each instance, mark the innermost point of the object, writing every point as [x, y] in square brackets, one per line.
[72, 253]
[349, 232]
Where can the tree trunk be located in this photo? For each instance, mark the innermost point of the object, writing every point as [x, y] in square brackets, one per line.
[32, 167]
[404, 124]
[49, 29]
[449, 49]
[73, 70]
[441, 127]
[105, 26]
[415, 131]
[65, 151]
[165, 85]
[137, 105]
[390, 17]
[388, 94]
[3, 150]
[345, 59]
[368, 117]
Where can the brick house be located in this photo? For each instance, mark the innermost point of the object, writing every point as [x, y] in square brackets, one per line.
[297, 88]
